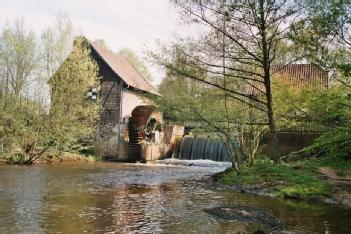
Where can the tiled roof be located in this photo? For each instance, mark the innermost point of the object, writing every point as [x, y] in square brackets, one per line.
[124, 69]
[302, 75]
[299, 75]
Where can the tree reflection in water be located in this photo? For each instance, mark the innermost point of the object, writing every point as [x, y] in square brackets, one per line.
[124, 198]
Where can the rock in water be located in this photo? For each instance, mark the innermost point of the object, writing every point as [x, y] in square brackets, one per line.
[245, 214]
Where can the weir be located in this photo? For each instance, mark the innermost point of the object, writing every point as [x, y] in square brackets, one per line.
[195, 148]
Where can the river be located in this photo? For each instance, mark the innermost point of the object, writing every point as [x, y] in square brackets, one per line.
[136, 198]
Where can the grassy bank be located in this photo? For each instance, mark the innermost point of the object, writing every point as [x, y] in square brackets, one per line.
[300, 180]
[75, 157]
[55, 157]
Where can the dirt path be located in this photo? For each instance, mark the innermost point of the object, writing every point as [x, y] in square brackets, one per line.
[341, 190]
[333, 175]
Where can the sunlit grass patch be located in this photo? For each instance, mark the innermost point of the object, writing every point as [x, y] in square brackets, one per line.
[299, 180]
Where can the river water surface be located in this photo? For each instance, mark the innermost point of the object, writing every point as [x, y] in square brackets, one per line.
[135, 198]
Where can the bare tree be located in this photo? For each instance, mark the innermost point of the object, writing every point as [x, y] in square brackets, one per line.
[18, 57]
[238, 48]
[55, 45]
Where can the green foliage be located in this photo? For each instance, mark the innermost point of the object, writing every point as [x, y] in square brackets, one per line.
[332, 109]
[330, 161]
[55, 45]
[23, 118]
[28, 129]
[207, 109]
[324, 110]
[334, 143]
[24, 125]
[18, 57]
[74, 116]
[323, 35]
[298, 180]
[295, 106]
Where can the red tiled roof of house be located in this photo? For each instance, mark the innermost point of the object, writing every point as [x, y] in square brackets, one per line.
[302, 75]
[299, 75]
[124, 69]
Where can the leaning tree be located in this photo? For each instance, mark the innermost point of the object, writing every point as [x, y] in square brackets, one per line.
[239, 44]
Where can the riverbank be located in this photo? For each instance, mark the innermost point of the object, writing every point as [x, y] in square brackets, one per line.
[90, 197]
[303, 180]
[75, 157]
[50, 158]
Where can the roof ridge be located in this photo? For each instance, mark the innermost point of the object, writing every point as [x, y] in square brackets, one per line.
[137, 71]
[113, 61]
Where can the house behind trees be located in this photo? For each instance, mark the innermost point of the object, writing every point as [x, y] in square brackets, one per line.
[302, 75]
[297, 76]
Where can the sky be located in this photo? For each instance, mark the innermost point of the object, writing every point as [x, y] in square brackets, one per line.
[136, 24]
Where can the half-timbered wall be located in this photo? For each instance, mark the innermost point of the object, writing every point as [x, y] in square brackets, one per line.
[110, 96]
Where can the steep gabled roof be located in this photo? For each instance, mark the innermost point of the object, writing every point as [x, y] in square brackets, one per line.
[124, 69]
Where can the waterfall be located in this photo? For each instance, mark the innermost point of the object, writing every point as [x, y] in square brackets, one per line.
[185, 148]
[192, 148]
[198, 150]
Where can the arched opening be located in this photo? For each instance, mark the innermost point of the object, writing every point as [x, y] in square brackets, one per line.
[136, 124]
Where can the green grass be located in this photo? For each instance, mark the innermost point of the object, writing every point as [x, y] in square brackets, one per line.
[75, 157]
[299, 180]
[89, 154]
[332, 162]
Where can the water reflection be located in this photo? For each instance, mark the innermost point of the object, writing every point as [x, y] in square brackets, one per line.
[122, 198]
[22, 199]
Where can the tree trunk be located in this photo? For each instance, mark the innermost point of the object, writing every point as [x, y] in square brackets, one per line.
[266, 62]
[231, 154]
[272, 126]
